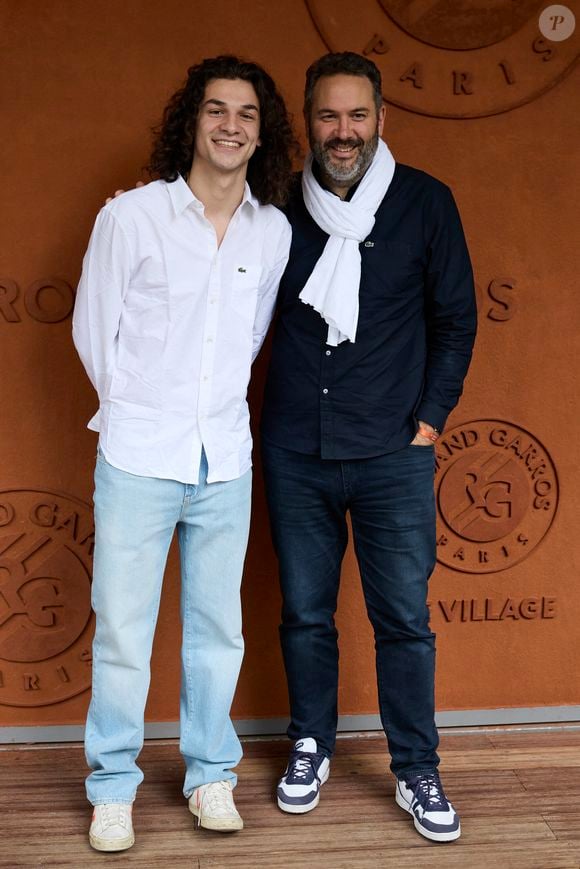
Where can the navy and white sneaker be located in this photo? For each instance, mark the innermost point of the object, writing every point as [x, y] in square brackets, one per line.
[308, 769]
[433, 815]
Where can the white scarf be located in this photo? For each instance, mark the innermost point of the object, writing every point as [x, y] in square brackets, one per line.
[332, 288]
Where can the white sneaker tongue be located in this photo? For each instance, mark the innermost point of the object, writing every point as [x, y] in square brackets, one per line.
[307, 744]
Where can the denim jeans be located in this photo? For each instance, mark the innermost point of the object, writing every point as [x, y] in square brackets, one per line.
[135, 518]
[392, 509]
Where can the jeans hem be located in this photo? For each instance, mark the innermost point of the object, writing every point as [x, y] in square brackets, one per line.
[106, 800]
[232, 778]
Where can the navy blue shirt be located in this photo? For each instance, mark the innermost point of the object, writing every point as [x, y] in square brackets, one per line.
[416, 328]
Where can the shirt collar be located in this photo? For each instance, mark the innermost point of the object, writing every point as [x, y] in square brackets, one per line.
[182, 197]
[249, 197]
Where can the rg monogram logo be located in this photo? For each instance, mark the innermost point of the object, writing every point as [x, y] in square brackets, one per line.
[481, 497]
[38, 600]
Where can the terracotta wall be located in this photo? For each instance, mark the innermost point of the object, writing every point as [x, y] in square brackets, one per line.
[81, 84]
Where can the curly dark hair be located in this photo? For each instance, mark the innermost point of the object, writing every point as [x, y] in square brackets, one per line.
[270, 168]
[342, 63]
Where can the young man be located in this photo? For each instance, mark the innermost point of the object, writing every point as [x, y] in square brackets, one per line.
[177, 291]
[373, 340]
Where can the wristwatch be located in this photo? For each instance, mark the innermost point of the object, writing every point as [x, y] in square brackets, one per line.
[431, 435]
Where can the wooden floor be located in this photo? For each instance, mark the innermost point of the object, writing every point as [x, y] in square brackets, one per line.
[518, 793]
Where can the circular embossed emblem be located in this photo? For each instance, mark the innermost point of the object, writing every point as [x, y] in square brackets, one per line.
[451, 58]
[46, 546]
[497, 493]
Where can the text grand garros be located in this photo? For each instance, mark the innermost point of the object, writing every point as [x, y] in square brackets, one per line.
[513, 441]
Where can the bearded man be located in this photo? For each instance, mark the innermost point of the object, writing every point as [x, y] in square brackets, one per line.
[376, 323]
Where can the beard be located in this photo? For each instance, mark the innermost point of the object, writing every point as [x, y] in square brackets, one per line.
[345, 174]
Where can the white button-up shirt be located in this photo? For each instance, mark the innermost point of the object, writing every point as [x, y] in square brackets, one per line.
[167, 326]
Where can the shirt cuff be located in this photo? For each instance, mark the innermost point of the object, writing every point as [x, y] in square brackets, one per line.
[433, 414]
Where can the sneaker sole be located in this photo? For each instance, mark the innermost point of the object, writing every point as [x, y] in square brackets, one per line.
[293, 809]
[219, 825]
[428, 834]
[111, 844]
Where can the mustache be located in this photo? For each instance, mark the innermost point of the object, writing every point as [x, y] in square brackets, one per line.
[342, 143]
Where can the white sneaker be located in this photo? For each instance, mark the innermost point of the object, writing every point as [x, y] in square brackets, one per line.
[433, 815]
[112, 827]
[213, 806]
[299, 788]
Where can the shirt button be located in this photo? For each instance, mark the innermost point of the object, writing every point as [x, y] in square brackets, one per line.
[325, 391]
[329, 352]
[209, 340]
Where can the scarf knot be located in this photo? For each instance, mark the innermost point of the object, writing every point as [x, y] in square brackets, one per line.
[333, 287]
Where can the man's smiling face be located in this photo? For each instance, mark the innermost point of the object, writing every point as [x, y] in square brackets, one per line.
[228, 124]
[344, 127]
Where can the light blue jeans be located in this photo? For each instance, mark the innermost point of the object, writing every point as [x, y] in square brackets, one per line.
[135, 518]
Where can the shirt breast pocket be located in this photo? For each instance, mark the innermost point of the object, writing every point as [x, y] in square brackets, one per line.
[391, 266]
[245, 284]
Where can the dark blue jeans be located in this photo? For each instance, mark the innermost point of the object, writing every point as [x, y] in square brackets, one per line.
[392, 509]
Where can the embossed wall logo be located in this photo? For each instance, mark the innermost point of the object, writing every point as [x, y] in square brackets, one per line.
[451, 58]
[46, 546]
[49, 300]
[497, 493]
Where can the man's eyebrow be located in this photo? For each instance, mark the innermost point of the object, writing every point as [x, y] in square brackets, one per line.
[351, 111]
[220, 103]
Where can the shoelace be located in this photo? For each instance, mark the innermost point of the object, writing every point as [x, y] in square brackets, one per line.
[428, 791]
[217, 797]
[302, 765]
[119, 815]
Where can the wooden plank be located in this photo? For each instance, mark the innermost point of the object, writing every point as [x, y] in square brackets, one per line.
[513, 758]
[542, 780]
[535, 737]
[565, 825]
